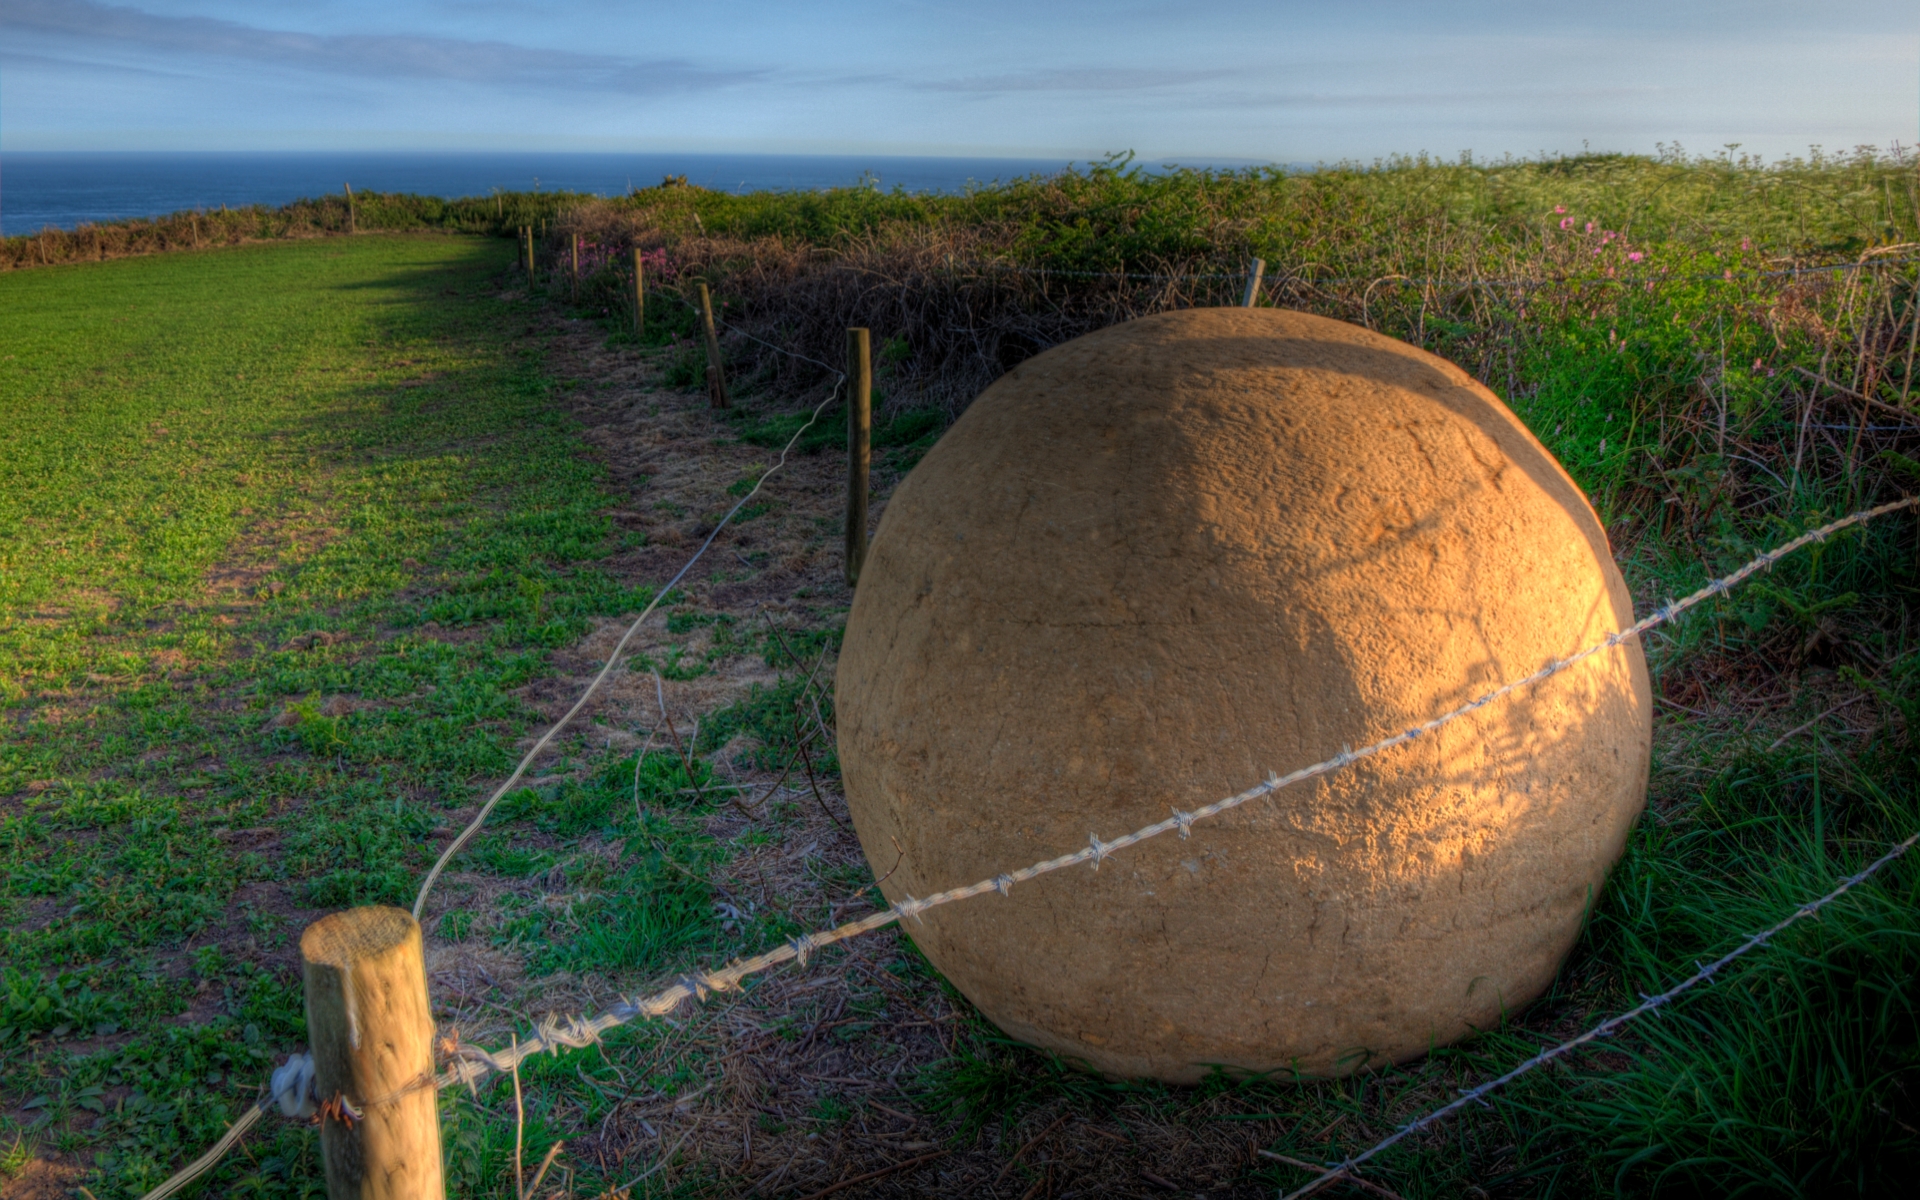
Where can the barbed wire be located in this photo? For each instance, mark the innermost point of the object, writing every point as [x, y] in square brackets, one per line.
[553, 1034]
[200, 1166]
[1277, 281]
[1605, 1028]
[293, 1082]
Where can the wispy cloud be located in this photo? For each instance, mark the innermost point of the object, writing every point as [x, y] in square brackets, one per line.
[384, 56]
[1078, 79]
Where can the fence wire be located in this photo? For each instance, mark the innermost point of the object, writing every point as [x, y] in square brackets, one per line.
[1280, 280]
[554, 1034]
[1606, 1028]
[613, 661]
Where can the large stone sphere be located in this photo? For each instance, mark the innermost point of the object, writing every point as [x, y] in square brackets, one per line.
[1151, 566]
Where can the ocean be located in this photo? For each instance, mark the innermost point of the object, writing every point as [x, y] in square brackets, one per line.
[38, 189]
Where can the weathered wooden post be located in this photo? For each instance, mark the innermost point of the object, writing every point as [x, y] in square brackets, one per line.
[716, 374]
[859, 448]
[350, 221]
[1255, 270]
[371, 1032]
[639, 294]
[526, 236]
[576, 268]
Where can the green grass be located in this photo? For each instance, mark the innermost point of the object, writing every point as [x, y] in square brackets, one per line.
[282, 529]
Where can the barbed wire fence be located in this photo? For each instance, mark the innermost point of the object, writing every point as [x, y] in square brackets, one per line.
[291, 1088]
[1631, 280]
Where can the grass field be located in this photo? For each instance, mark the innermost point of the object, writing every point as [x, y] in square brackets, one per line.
[238, 488]
[298, 541]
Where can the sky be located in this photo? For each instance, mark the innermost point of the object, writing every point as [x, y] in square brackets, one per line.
[1202, 80]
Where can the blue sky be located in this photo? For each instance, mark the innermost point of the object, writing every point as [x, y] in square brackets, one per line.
[1281, 81]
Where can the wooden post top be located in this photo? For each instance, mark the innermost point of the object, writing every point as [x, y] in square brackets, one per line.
[356, 934]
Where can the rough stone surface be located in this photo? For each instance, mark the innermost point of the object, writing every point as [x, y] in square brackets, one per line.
[1149, 567]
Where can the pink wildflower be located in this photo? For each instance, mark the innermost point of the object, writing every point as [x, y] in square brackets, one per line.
[1566, 223]
[1636, 256]
[1558, 209]
[1589, 226]
[1746, 243]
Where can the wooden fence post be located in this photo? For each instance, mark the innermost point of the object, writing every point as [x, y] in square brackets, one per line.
[859, 448]
[526, 238]
[576, 268]
[371, 1032]
[716, 373]
[639, 294]
[351, 224]
[1255, 270]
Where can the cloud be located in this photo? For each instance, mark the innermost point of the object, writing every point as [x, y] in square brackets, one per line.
[383, 56]
[1078, 79]
[68, 64]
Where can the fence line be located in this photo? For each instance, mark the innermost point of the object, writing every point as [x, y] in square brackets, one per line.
[552, 1034]
[292, 1083]
[471, 1063]
[1605, 1028]
[1275, 282]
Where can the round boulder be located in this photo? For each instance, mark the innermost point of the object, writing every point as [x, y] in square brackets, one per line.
[1150, 567]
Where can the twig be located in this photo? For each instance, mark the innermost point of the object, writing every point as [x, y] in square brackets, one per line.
[1045, 1181]
[1348, 1176]
[686, 759]
[1781, 740]
[1844, 390]
[1683, 708]
[679, 747]
[637, 760]
[872, 1175]
[784, 772]
[519, 1130]
[662, 1161]
[807, 687]
[544, 1164]
[1030, 1144]
[807, 758]
[899, 856]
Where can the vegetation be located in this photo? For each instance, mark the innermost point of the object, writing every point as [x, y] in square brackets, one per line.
[502, 214]
[286, 531]
[283, 534]
[1722, 352]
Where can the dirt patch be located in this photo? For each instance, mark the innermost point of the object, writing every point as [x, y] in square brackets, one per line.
[51, 1176]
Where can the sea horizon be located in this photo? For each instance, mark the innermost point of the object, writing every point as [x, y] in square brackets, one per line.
[64, 189]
